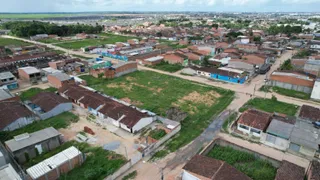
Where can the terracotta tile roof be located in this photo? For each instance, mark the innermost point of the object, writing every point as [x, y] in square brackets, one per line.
[254, 59]
[292, 77]
[11, 111]
[314, 173]
[48, 100]
[310, 113]
[256, 119]
[299, 62]
[290, 171]
[231, 50]
[213, 169]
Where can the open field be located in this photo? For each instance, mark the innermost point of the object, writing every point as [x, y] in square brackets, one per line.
[61, 121]
[291, 93]
[271, 106]
[247, 163]
[6, 42]
[34, 16]
[158, 92]
[99, 163]
[25, 95]
[104, 39]
[164, 66]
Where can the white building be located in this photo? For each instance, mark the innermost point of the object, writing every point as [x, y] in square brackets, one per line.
[316, 90]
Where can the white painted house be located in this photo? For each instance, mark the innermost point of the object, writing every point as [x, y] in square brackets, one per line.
[254, 122]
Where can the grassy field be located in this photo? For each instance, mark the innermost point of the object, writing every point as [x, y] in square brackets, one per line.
[34, 16]
[49, 41]
[25, 95]
[61, 121]
[291, 93]
[7, 41]
[164, 66]
[158, 92]
[98, 164]
[105, 39]
[270, 105]
[247, 163]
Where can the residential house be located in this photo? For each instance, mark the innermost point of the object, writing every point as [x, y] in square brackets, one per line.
[115, 70]
[223, 74]
[315, 45]
[27, 146]
[223, 58]
[6, 96]
[304, 139]
[56, 165]
[176, 58]
[124, 116]
[8, 80]
[244, 65]
[39, 37]
[7, 172]
[59, 79]
[30, 74]
[312, 67]
[278, 132]
[288, 170]
[309, 114]
[151, 61]
[194, 56]
[313, 170]
[135, 51]
[205, 168]
[315, 94]
[14, 115]
[249, 48]
[107, 109]
[254, 122]
[293, 80]
[257, 59]
[48, 104]
[298, 64]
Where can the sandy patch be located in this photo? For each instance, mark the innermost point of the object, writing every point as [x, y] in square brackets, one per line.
[126, 87]
[128, 100]
[207, 98]
[130, 78]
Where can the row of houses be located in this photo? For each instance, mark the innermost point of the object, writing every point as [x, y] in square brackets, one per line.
[106, 108]
[294, 134]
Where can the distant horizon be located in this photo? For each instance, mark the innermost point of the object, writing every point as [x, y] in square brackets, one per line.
[96, 6]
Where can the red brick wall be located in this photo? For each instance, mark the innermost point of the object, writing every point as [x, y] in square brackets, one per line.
[54, 81]
[23, 75]
[127, 67]
[173, 59]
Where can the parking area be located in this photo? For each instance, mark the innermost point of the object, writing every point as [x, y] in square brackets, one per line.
[107, 136]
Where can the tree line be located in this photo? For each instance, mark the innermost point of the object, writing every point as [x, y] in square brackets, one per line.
[284, 29]
[31, 28]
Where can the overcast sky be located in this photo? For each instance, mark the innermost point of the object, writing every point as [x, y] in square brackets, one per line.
[159, 5]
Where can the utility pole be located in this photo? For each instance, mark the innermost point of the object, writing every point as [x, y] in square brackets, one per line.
[162, 176]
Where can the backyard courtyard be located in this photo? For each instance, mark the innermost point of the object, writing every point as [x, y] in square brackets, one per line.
[158, 93]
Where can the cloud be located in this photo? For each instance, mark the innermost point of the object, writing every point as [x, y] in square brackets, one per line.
[300, 1]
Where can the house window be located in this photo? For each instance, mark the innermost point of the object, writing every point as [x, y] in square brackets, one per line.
[244, 127]
[255, 131]
[294, 147]
[271, 139]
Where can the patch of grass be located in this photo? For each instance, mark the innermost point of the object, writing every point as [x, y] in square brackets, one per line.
[7, 42]
[131, 175]
[165, 66]
[265, 88]
[157, 134]
[270, 105]
[60, 121]
[229, 121]
[291, 93]
[25, 95]
[159, 154]
[104, 39]
[158, 92]
[247, 163]
[49, 41]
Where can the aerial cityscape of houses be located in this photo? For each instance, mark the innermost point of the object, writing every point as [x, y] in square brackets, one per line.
[190, 96]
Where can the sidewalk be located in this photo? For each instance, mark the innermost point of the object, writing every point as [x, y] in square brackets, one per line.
[267, 151]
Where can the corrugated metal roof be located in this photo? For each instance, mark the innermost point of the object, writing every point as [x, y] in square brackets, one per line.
[30, 70]
[6, 75]
[8, 173]
[53, 162]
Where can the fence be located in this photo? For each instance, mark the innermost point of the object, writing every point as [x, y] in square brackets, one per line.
[224, 143]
